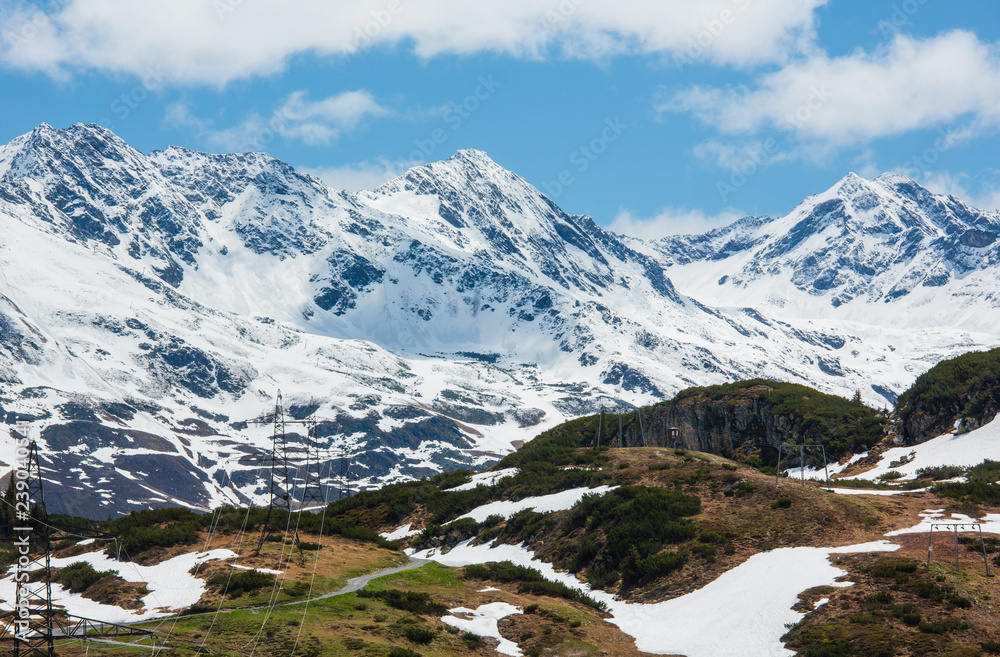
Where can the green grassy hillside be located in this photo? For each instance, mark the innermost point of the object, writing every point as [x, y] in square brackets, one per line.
[739, 418]
[965, 388]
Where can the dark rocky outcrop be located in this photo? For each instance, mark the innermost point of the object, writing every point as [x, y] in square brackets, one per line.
[960, 394]
[758, 416]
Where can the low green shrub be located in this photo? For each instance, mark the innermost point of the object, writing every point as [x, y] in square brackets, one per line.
[902, 460]
[403, 652]
[942, 626]
[529, 581]
[975, 492]
[940, 472]
[416, 634]
[706, 552]
[411, 601]
[241, 582]
[78, 577]
[987, 472]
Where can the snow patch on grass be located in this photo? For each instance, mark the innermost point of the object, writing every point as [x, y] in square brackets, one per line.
[990, 523]
[832, 468]
[171, 586]
[401, 532]
[483, 621]
[269, 571]
[485, 479]
[967, 449]
[861, 491]
[542, 504]
[758, 597]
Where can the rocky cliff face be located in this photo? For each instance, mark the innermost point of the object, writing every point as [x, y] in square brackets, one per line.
[718, 427]
[956, 396]
[755, 418]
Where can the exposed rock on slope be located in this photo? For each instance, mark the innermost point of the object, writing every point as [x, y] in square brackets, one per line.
[757, 416]
[959, 394]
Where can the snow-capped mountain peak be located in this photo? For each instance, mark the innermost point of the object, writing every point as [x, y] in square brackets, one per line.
[887, 241]
[151, 304]
[472, 191]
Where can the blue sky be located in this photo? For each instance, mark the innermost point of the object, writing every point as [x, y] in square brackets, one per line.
[654, 117]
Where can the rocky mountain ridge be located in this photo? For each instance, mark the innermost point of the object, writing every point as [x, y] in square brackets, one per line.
[885, 252]
[430, 322]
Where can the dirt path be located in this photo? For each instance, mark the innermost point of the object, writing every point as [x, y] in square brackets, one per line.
[358, 583]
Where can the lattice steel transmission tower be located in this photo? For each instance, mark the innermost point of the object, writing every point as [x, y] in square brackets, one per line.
[280, 495]
[34, 624]
[33, 614]
[284, 467]
[312, 489]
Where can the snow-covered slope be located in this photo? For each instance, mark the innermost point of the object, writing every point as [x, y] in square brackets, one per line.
[951, 449]
[151, 304]
[885, 252]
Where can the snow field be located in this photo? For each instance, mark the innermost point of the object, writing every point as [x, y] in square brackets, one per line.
[484, 621]
[757, 596]
[171, 586]
[860, 491]
[401, 532]
[990, 523]
[966, 449]
[485, 479]
[542, 504]
[818, 473]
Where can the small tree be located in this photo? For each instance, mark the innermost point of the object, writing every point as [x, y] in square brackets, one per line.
[857, 397]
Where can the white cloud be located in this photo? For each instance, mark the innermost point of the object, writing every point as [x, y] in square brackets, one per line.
[671, 221]
[359, 176]
[737, 154]
[217, 41]
[865, 164]
[910, 84]
[322, 121]
[179, 115]
[982, 192]
[297, 118]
